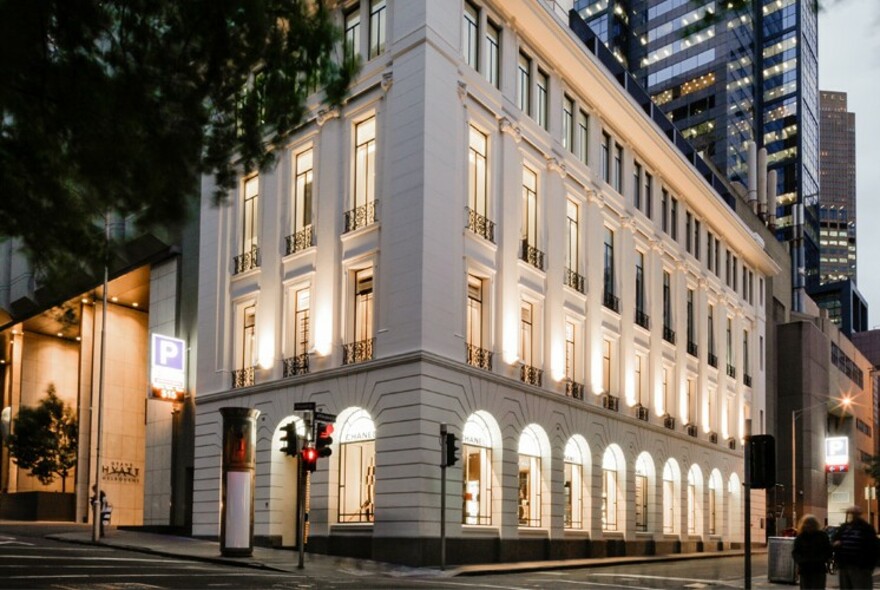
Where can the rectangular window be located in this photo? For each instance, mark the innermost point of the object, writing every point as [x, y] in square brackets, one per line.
[696, 239]
[571, 251]
[673, 218]
[477, 177]
[717, 257]
[250, 215]
[526, 334]
[637, 186]
[667, 301]
[691, 401]
[365, 163]
[640, 288]
[729, 343]
[363, 305]
[377, 27]
[618, 167]
[649, 197]
[688, 221]
[727, 268]
[608, 273]
[302, 214]
[746, 368]
[641, 394]
[606, 155]
[570, 357]
[524, 84]
[735, 274]
[664, 210]
[493, 50]
[357, 481]
[573, 485]
[301, 322]
[606, 366]
[690, 318]
[470, 36]
[530, 208]
[667, 392]
[711, 338]
[568, 123]
[249, 338]
[353, 32]
[543, 84]
[475, 312]
[641, 502]
[583, 137]
[710, 255]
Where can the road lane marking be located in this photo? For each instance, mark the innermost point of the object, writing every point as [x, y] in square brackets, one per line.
[669, 578]
[87, 558]
[435, 582]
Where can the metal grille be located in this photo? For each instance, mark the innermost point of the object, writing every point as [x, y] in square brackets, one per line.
[479, 357]
[531, 375]
[296, 365]
[532, 255]
[574, 389]
[692, 348]
[360, 216]
[611, 301]
[243, 377]
[668, 334]
[357, 352]
[305, 238]
[246, 261]
[481, 225]
[574, 280]
[643, 319]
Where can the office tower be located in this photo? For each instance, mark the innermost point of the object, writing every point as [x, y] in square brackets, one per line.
[837, 203]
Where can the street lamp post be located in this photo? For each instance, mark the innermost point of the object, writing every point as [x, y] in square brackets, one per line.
[845, 402]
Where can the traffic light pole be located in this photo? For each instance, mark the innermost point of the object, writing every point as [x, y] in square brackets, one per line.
[747, 517]
[443, 496]
[301, 493]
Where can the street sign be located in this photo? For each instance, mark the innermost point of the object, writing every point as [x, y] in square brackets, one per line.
[304, 406]
[323, 417]
[167, 375]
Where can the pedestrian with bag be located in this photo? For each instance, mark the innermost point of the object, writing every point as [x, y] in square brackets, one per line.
[855, 549]
[812, 550]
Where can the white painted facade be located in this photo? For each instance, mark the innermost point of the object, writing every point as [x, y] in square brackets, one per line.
[425, 100]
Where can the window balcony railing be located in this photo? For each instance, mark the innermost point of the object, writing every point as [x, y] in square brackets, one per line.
[479, 357]
[643, 320]
[731, 371]
[360, 216]
[668, 334]
[610, 402]
[358, 352]
[713, 438]
[691, 430]
[692, 348]
[481, 225]
[296, 365]
[531, 375]
[532, 255]
[611, 301]
[642, 413]
[669, 422]
[574, 389]
[243, 377]
[747, 380]
[246, 261]
[731, 443]
[574, 280]
[301, 240]
[713, 360]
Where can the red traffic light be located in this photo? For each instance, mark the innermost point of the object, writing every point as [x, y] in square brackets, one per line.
[325, 430]
[310, 455]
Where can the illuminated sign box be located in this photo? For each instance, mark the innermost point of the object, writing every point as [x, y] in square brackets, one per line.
[167, 374]
[837, 454]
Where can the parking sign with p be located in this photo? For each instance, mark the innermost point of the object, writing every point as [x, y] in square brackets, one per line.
[168, 377]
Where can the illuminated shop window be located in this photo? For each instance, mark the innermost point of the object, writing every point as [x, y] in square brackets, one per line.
[357, 468]
[476, 453]
[529, 497]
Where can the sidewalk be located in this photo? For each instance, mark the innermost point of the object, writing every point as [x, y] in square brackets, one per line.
[284, 560]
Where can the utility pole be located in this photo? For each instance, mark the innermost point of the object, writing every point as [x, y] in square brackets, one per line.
[301, 493]
[96, 502]
[443, 461]
[747, 517]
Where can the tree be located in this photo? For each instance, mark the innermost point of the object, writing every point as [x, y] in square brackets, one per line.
[44, 439]
[123, 105]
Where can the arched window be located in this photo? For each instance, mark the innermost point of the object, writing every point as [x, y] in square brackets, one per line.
[671, 483]
[695, 500]
[574, 485]
[357, 468]
[735, 512]
[529, 501]
[714, 502]
[612, 464]
[476, 452]
[644, 470]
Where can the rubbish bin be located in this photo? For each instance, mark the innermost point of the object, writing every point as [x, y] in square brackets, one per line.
[780, 564]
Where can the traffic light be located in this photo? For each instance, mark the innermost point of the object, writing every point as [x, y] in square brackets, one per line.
[451, 451]
[762, 458]
[290, 440]
[310, 459]
[323, 440]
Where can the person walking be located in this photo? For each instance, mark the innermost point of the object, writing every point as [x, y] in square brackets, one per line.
[855, 550]
[812, 550]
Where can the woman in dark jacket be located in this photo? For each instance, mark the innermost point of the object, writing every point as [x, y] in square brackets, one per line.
[812, 550]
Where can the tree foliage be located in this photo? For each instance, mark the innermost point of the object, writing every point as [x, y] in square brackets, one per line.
[123, 105]
[44, 439]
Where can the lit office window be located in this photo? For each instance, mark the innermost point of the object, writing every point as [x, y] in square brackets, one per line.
[526, 333]
[572, 261]
[363, 305]
[530, 208]
[249, 338]
[302, 302]
[477, 176]
[250, 215]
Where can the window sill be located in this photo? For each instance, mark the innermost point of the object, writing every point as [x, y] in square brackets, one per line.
[534, 532]
[613, 535]
[577, 533]
[479, 530]
[644, 535]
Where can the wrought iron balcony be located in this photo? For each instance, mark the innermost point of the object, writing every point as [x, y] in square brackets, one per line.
[532, 255]
[692, 348]
[246, 261]
[358, 352]
[360, 216]
[481, 225]
[296, 365]
[243, 377]
[574, 389]
[479, 357]
[669, 422]
[691, 430]
[531, 375]
[643, 320]
[713, 438]
[642, 413]
[731, 371]
[713, 360]
[668, 334]
[574, 280]
[747, 379]
[611, 301]
[304, 238]
[731, 443]
[609, 402]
